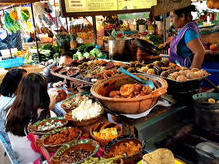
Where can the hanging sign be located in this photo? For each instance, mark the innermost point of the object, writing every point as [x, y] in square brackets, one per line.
[17, 1]
[100, 7]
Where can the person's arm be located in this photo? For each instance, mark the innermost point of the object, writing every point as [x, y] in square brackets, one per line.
[46, 72]
[198, 50]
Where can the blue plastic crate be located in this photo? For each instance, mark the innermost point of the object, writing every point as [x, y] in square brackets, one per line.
[9, 63]
[213, 68]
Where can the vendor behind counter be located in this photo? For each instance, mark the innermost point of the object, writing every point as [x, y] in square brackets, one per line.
[186, 47]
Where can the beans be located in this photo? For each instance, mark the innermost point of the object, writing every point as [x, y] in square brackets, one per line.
[75, 156]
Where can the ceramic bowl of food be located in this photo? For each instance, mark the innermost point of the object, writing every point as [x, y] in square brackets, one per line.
[75, 152]
[105, 132]
[87, 113]
[46, 125]
[84, 122]
[123, 95]
[56, 138]
[128, 148]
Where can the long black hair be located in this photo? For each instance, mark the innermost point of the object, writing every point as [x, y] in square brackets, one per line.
[10, 82]
[31, 95]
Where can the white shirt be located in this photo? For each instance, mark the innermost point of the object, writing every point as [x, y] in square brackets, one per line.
[21, 145]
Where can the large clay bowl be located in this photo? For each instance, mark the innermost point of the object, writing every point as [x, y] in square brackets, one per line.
[128, 105]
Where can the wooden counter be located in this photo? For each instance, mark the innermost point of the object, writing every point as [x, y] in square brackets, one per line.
[29, 68]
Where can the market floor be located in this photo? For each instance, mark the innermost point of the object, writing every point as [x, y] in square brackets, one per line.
[3, 157]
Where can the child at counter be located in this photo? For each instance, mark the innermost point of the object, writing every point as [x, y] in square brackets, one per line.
[31, 104]
[8, 87]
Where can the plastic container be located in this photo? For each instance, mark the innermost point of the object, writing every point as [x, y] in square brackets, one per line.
[207, 115]
[212, 68]
[9, 63]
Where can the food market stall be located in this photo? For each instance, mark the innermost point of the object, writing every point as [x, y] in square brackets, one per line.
[115, 95]
[106, 116]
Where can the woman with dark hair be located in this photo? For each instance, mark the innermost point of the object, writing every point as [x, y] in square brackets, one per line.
[30, 105]
[186, 46]
[8, 87]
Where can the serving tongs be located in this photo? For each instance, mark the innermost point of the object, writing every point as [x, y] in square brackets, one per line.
[146, 83]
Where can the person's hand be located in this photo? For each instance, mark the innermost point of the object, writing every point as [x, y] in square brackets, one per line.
[165, 44]
[161, 45]
[58, 84]
[53, 97]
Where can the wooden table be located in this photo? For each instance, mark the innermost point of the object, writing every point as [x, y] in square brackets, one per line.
[30, 69]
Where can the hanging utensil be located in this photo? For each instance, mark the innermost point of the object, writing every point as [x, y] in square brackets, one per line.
[177, 63]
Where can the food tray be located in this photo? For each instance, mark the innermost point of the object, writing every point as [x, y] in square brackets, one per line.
[75, 79]
[86, 144]
[190, 86]
[54, 147]
[102, 125]
[190, 80]
[33, 128]
[71, 78]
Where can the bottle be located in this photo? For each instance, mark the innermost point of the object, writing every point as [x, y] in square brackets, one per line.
[150, 28]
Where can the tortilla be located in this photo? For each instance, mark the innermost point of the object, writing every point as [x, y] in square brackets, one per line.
[159, 156]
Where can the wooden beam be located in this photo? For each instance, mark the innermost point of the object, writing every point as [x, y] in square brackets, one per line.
[165, 6]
